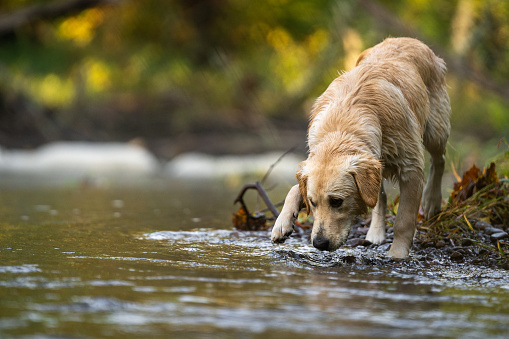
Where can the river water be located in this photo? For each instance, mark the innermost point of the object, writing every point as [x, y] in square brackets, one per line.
[160, 259]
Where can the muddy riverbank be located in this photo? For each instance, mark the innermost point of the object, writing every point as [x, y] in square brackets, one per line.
[425, 253]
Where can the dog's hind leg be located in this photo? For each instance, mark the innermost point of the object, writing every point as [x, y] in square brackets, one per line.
[432, 197]
[435, 140]
[406, 218]
[283, 226]
[376, 233]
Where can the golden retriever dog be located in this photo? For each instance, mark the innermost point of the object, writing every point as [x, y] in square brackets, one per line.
[372, 122]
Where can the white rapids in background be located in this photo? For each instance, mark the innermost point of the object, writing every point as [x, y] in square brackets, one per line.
[197, 165]
[80, 158]
[121, 160]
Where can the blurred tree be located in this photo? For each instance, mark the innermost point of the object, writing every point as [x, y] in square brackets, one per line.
[106, 69]
[37, 10]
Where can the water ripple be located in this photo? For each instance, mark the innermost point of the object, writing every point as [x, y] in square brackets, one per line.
[297, 252]
[20, 269]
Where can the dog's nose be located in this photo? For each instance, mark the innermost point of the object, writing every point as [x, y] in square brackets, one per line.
[321, 243]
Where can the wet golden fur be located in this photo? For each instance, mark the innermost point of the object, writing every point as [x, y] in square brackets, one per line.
[374, 121]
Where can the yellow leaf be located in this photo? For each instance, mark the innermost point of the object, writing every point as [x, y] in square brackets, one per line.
[468, 223]
[500, 248]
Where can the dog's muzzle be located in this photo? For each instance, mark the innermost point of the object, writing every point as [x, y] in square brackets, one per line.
[321, 243]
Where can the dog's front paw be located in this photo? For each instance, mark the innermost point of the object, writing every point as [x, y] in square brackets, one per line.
[376, 232]
[283, 228]
[376, 235]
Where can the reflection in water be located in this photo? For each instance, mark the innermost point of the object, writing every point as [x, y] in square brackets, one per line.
[161, 260]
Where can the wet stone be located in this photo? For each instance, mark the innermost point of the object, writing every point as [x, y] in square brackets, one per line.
[456, 256]
[357, 242]
[384, 247]
[429, 244]
[499, 235]
[492, 230]
[349, 259]
[362, 221]
[440, 244]
[483, 251]
[363, 230]
[481, 225]
[467, 242]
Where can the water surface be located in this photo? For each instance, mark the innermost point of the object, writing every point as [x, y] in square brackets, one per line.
[161, 259]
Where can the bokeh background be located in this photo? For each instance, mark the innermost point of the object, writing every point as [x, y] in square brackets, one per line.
[231, 76]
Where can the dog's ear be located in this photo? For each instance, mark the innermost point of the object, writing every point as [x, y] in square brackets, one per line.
[366, 171]
[302, 178]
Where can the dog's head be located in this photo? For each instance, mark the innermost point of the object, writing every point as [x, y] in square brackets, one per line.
[336, 190]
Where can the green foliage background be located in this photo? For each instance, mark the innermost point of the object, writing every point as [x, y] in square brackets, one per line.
[156, 69]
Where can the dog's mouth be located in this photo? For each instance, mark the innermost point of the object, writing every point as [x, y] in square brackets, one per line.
[329, 238]
[325, 244]
[322, 243]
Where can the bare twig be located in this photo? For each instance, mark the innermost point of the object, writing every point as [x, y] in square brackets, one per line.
[275, 163]
[263, 195]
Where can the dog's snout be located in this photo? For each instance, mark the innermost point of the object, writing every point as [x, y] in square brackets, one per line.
[321, 243]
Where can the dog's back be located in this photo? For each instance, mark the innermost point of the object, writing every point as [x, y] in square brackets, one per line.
[397, 93]
[432, 71]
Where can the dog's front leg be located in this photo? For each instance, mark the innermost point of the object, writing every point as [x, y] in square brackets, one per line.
[376, 233]
[283, 226]
[406, 218]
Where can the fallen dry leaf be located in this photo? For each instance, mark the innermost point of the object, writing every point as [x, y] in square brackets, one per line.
[249, 222]
[473, 181]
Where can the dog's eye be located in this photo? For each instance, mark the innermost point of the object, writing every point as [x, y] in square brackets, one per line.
[335, 202]
[312, 203]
